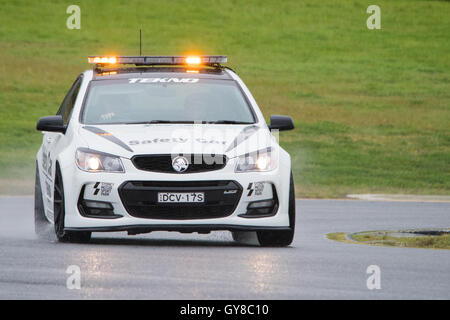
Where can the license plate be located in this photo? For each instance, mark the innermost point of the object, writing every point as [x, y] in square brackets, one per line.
[181, 197]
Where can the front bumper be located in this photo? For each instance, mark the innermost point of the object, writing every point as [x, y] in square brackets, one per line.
[105, 187]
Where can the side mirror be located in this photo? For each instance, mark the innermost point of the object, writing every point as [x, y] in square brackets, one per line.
[51, 124]
[281, 123]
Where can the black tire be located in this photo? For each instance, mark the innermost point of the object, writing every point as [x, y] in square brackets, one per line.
[42, 227]
[281, 238]
[59, 211]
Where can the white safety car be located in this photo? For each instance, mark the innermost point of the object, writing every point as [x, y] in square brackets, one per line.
[173, 143]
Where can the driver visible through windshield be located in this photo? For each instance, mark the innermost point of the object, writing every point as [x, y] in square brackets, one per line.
[130, 101]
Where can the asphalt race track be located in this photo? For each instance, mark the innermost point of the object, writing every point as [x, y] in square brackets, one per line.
[165, 265]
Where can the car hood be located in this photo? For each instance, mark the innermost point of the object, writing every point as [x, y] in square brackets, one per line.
[129, 140]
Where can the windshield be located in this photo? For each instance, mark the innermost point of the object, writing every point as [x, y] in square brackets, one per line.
[149, 100]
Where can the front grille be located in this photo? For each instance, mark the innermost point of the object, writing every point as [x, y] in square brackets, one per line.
[163, 163]
[140, 199]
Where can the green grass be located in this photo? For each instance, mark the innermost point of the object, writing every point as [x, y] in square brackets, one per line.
[371, 107]
[338, 236]
[382, 238]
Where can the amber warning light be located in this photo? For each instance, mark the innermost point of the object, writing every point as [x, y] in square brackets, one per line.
[105, 60]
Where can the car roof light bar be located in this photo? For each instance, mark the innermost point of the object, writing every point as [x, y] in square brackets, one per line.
[190, 60]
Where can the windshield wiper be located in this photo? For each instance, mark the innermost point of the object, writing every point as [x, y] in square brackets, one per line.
[159, 121]
[191, 122]
[227, 122]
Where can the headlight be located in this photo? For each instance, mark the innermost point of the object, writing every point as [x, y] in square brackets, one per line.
[262, 160]
[94, 161]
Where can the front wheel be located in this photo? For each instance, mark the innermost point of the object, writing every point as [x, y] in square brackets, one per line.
[59, 211]
[281, 238]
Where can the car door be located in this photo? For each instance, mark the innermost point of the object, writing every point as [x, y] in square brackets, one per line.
[49, 146]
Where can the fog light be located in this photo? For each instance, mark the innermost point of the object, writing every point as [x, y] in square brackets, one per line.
[97, 209]
[98, 205]
[260, 209]
[260, 204]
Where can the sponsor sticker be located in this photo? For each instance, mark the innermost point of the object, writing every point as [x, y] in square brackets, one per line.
[255, 188]
[103, 188]
[163, 80]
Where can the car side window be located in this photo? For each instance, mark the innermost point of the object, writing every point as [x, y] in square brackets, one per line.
[65, 110]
